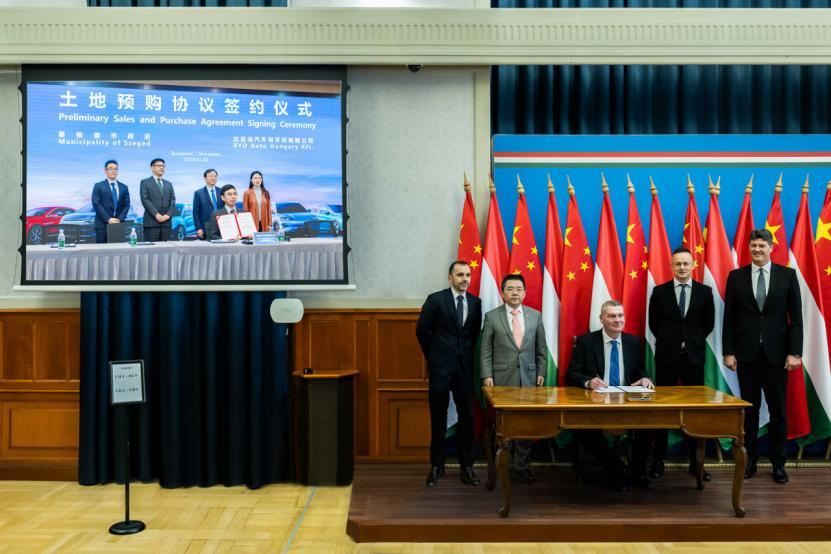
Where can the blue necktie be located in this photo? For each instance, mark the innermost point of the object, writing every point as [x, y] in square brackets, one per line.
[614, 366]
[115, 198]
[213, 199]
[460, 311]
[682, 300]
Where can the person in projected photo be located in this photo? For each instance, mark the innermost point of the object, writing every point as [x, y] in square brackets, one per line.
[257, 200]
[159, 203]
[228, 193]
[110, 200]
[206, 201]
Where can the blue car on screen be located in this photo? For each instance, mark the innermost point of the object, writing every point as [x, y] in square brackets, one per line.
[79, 227]
[292, 217]
[330, 212]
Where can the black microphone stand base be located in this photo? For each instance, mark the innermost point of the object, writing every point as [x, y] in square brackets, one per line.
[127, 527]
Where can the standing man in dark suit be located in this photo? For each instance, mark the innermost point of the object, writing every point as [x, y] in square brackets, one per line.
[159, 203]
[513, 354]
[205, 202]
[762, 339]
[110, 200]
[447, 330]
[681, 315]
[608, 358]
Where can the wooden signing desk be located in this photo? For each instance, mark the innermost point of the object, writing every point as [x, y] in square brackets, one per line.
[541, 413]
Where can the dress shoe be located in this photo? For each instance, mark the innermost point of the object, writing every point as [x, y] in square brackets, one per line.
[693, 471]
[750, 470]
[433, 476]
[528, 475]
[469, 476]
[657, 469]
[779, 475]
[642, 481]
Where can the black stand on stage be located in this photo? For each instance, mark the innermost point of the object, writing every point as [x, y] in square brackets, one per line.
[126, 527]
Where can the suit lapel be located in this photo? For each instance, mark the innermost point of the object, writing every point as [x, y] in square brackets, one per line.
[451, 306]
[599, 354]
[774, 274]
[749, 280]
[526, 318]
[670, 298]
[505, 325]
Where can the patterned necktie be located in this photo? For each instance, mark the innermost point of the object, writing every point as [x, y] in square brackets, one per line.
[761, 293]
[516, 327]
[115, 197]
[682, 301]
[614, 366]
[460, 311]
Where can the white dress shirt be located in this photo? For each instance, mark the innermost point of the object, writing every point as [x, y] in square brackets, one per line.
[607, 356]
[511, 317]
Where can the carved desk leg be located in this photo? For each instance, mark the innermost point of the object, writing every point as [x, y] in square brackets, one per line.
[502, 457]
[740, 455]
[489, 438]
[699, 463]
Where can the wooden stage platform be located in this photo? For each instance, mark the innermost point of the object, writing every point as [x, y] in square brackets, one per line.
[390, 503]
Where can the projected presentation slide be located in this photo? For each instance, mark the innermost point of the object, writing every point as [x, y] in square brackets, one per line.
[127, 181]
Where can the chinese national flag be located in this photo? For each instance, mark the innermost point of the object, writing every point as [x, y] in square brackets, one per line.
[470, 246]
[823, 249]
[741, 252]
[576, 291]
[524, 257]
[693, 237]
[775, 223]
[634, 270]
[608, 271]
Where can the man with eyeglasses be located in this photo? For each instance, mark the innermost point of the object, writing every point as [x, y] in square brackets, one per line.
[110, 200]
[159, 203]
[513, 355]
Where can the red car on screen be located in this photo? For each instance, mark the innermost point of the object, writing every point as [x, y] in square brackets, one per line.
[42, 221]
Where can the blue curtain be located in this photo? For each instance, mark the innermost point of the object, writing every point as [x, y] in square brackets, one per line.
[187, 3]
[218, 408]
[662, 99]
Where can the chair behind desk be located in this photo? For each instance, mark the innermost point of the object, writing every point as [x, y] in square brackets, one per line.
[120, 232]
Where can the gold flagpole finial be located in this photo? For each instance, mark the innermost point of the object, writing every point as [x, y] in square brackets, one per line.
[467, 183]
[828, 185]
[604, 186]
[690, 186]
[550, 184]
[653, 190]
[629, 185]
[711, 187]
[570, 186]
[778, 186]
[718, 185]
[805, 185]
[749, 188]
[519, 188]
[491, 186]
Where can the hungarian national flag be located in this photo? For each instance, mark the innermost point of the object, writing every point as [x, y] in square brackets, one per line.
[659, 267]
[608, 271]
[551, 286]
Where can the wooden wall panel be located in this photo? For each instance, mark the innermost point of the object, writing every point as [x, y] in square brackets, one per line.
[392, 420]
[40, 369]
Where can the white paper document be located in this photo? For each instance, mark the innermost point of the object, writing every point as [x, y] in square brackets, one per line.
[630, 389]
[235, 226]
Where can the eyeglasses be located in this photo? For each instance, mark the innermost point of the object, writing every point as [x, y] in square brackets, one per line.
[111, 169]
[158, 165]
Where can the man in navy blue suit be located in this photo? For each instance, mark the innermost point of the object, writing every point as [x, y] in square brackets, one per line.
[205, 202]
[110, 200]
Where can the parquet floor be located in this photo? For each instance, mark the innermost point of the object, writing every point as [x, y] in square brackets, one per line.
[66, 517]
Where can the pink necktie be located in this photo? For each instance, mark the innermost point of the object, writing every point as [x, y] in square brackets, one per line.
[516, 327]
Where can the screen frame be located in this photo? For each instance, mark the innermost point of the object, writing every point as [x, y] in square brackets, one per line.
[107, 73]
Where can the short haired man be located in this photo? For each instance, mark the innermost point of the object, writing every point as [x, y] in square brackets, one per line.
[447, 330]
[228, 195]
[110, 200]
[159, 201]
[206, 200]
[681, 315]
[603, 358]
[513, 354]
[762, 339]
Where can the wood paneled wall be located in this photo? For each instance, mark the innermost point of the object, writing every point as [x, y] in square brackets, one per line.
[39, 382]
[392, 419]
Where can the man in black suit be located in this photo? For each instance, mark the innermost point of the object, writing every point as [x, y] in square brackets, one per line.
[205, 202]
[604, 358]
[159, 201]
[762, 339]
[228, 194]
[447, 330]
[681, 315]
[110, 200]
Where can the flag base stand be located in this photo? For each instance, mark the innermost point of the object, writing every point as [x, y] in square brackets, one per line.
[127, 527]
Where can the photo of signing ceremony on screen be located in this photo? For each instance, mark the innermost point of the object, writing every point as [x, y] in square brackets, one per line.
[185, 181]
